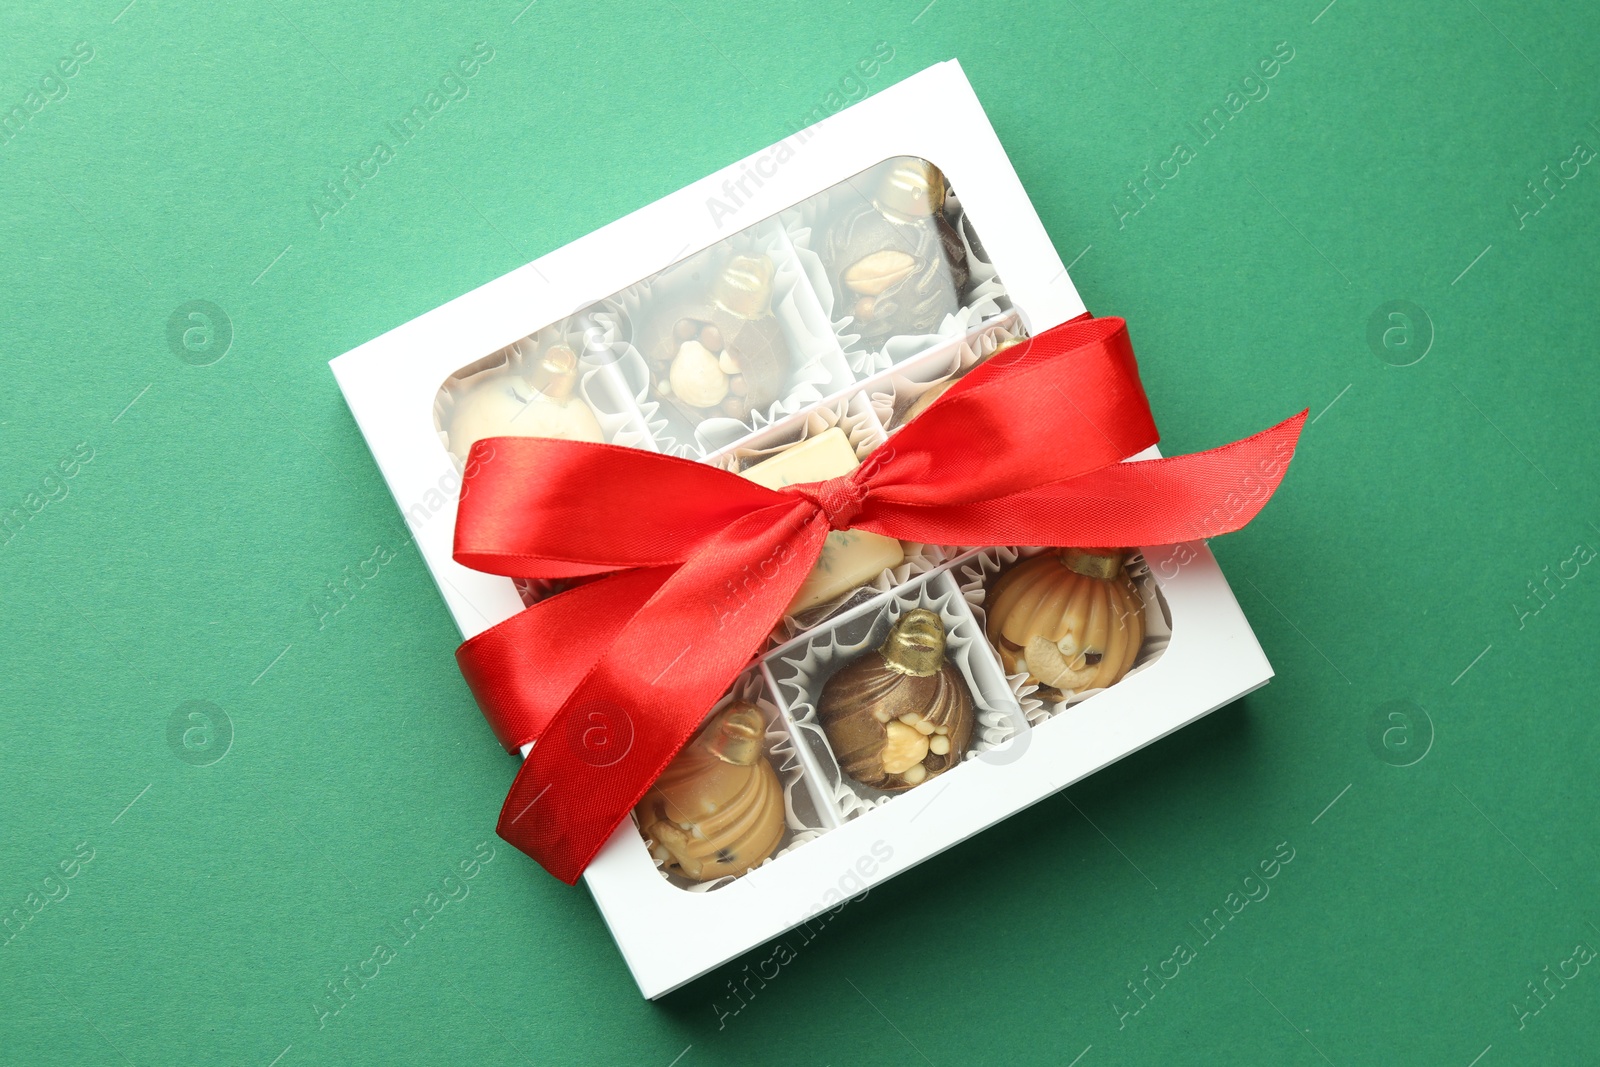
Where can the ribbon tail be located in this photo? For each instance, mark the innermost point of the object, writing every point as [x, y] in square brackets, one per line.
[1152, 502]
[651, 687]
[522, 670]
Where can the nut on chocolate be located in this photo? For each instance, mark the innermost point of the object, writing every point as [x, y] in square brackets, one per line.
[877, 271]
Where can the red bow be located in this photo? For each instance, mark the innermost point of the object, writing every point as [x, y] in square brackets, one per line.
[614, 676]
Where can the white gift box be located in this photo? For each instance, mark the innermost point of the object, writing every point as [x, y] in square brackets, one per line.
[594, 294]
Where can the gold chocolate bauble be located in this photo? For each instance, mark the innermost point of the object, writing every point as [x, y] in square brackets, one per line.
[900, 715]
[501, 403]
[1070, 620]
[717, 810]
[897, 265]
[727, 355]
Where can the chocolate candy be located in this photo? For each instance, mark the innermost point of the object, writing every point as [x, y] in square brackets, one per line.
[1071, 620]
[717, 810]
[502, 403]
[897, 265]
[728, 356]
[901, 715]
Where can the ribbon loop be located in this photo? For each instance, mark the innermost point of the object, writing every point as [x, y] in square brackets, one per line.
[613, 677]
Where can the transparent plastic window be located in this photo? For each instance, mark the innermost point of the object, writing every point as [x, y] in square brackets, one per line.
[800, 307]
[787, 353]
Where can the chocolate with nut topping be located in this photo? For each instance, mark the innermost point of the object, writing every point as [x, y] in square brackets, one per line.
[897, 265]
[900, 715]
[727, 356]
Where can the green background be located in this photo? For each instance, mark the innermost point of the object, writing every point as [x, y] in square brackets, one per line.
[182, 562]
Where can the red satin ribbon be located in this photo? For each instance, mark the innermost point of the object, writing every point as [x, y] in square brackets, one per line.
[614, 676]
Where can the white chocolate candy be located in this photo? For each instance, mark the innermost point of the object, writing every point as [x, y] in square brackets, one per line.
[491, 407]
[850, 558]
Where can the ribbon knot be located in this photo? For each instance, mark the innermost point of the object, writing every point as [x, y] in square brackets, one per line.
[839, 499]
[690, 567]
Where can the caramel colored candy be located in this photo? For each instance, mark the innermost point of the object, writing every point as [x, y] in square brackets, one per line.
[1072, 621]
[736, 328]
[757, 348]
[717, 810]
